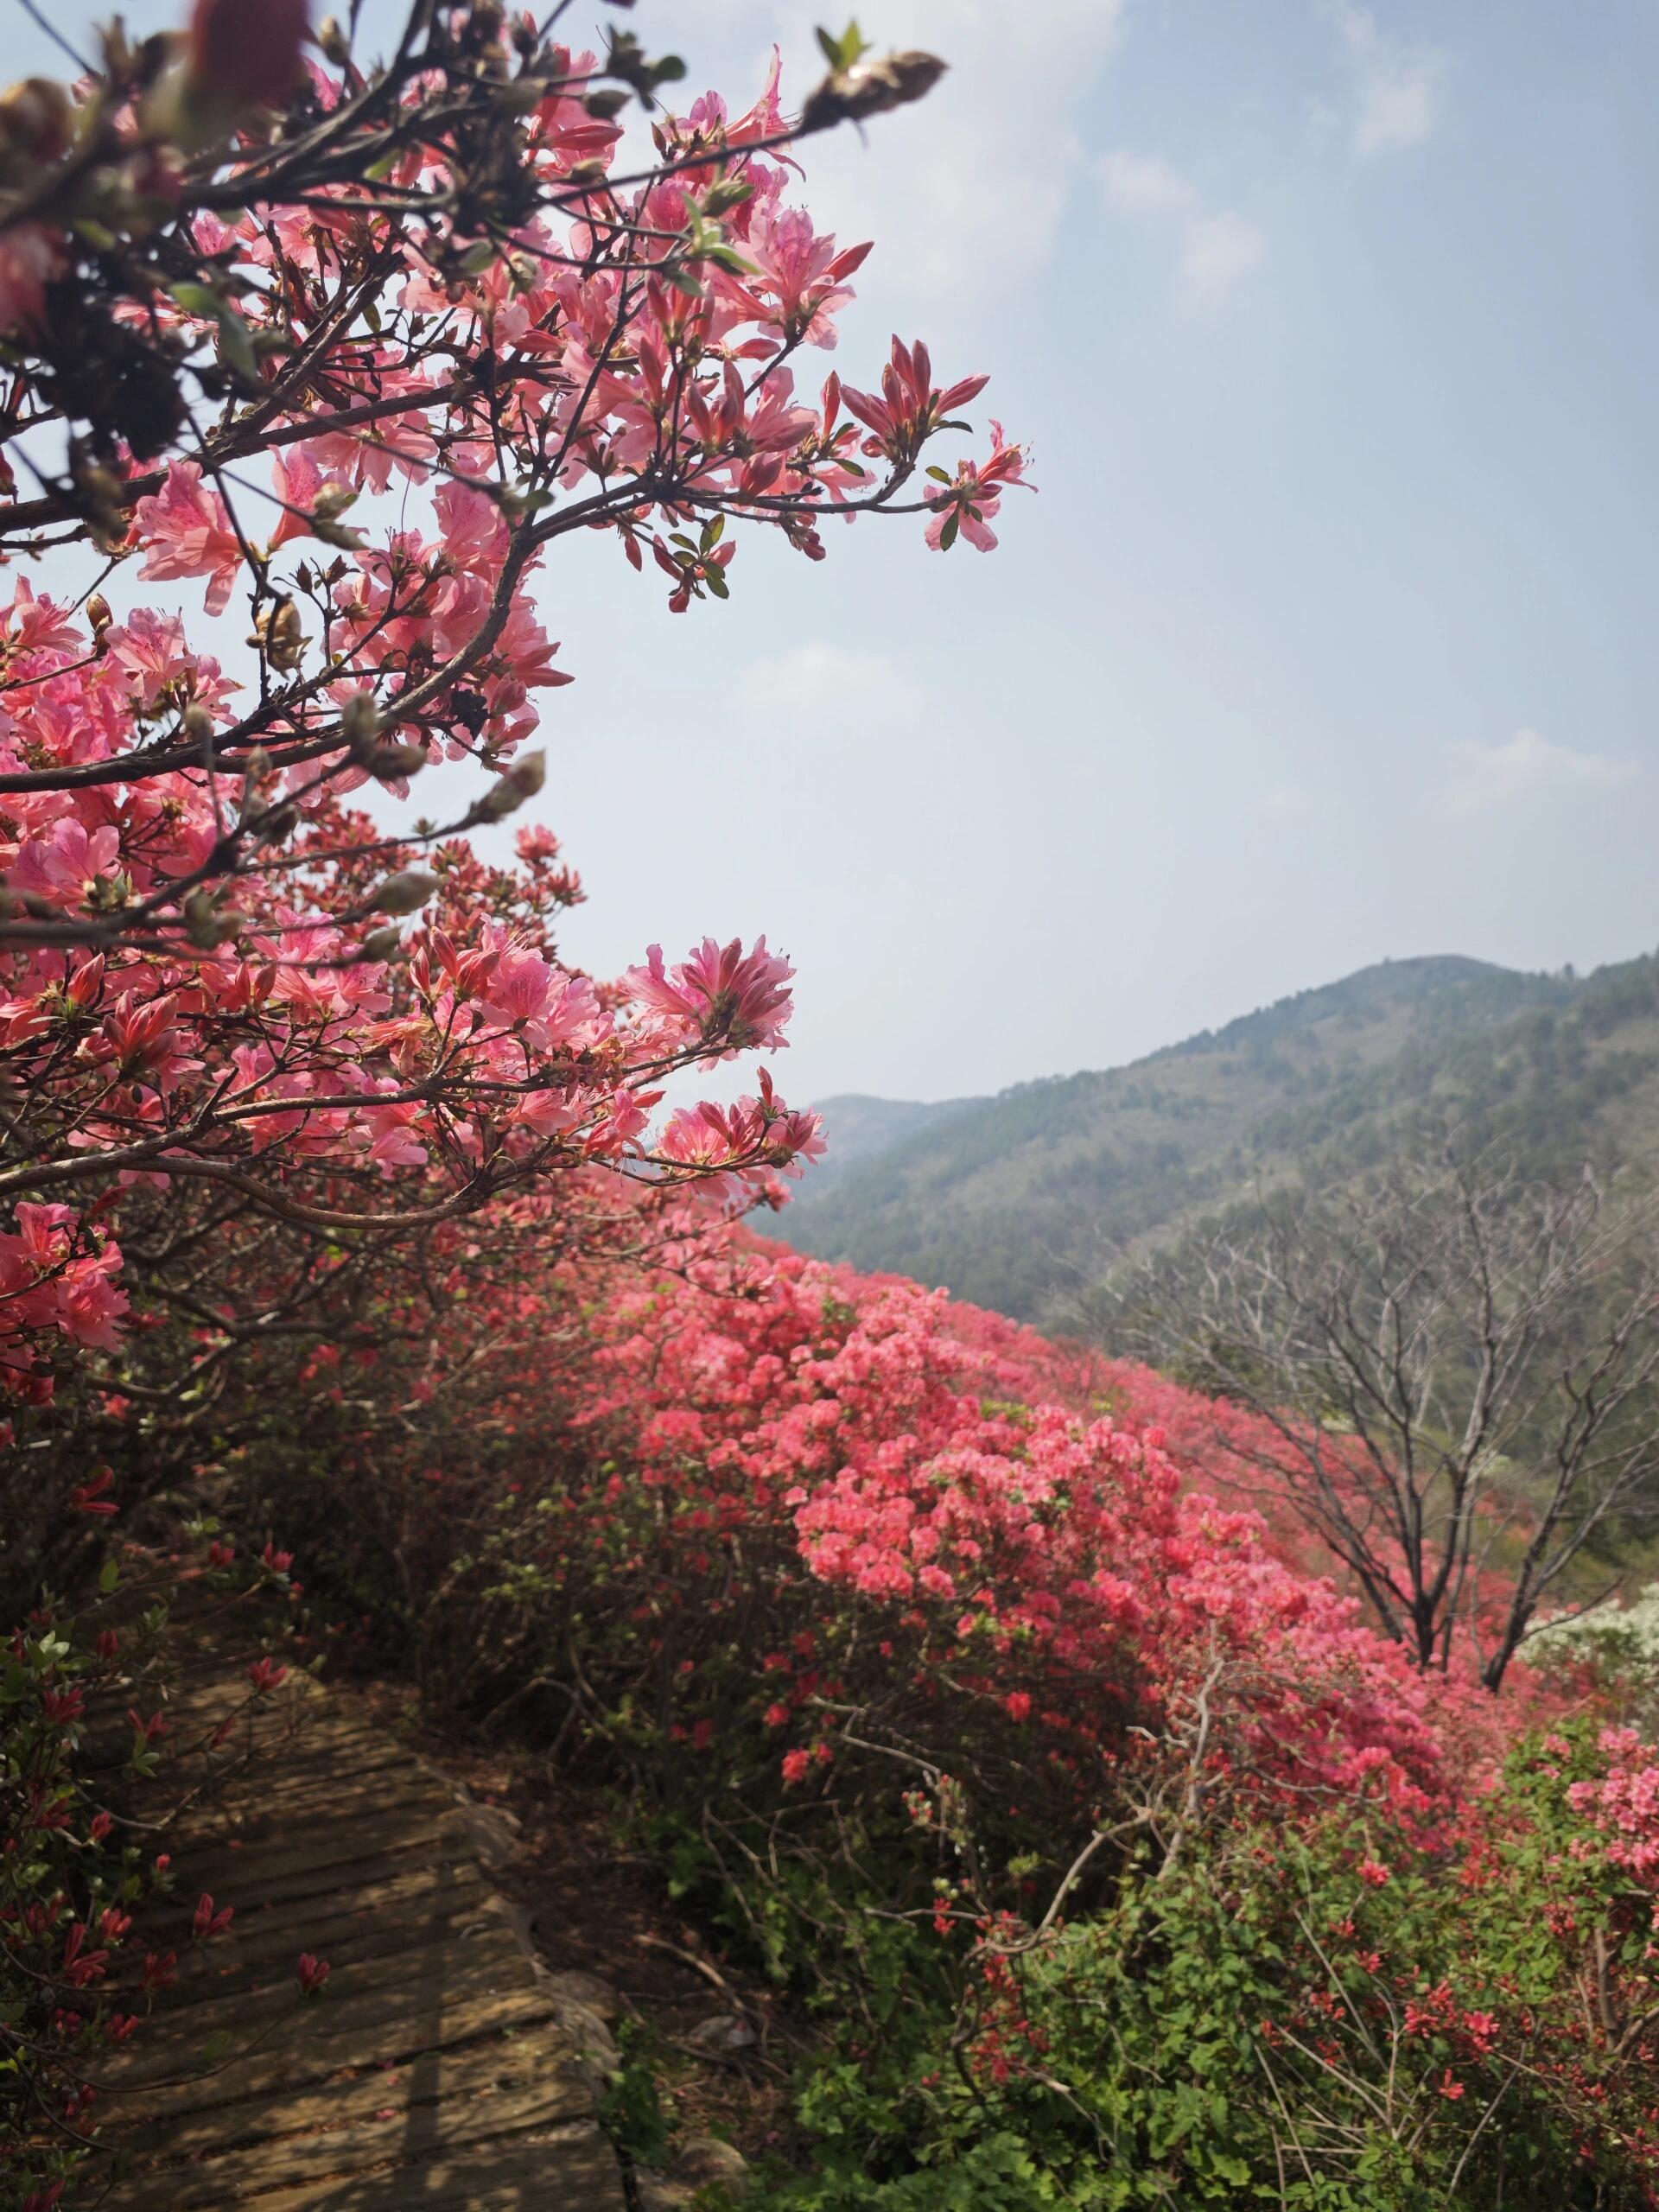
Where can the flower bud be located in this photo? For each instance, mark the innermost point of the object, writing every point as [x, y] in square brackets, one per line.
[83, 985]
[385, 762]
[404, 892]
[207, 924]
[100, 613]
[336, 47]
[359, 720]
[198, 724]
[522, 781]
[871, 88]
[381, 944]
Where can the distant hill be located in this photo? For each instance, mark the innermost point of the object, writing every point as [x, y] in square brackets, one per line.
[1018, 1201]
[861, 1129]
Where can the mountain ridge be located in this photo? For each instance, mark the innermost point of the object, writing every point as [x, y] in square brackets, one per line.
[1019, 1200]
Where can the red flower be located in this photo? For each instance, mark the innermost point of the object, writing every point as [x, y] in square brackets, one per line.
[161, 1970]
[313, 1973]
[209, 1922]
[89, 1497]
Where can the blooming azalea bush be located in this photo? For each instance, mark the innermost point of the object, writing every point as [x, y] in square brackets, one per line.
[1613, 1649]
[1116, 1858]
[1328, 2015]
[841, 1438]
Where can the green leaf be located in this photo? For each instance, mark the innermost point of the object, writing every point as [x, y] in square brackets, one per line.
[841, 53]
[235, 340]
[730, 191]
[109, 1579]
[236, 343]
[197, 299]
[727, 257]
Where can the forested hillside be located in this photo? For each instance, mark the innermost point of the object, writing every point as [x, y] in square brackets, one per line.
[1020, 1200]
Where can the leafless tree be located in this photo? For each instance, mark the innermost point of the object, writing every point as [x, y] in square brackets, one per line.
[1451, 1375]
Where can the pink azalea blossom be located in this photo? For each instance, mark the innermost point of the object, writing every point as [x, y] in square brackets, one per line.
[186, 531]
[971, 498]
[64, 865]
[721, 993]
[911, 406]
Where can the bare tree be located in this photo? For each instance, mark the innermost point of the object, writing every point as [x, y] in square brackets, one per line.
[1452, 1378]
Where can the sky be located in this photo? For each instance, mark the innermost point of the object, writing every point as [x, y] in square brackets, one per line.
[1329, 634]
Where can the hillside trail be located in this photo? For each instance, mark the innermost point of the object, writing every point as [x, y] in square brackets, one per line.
[440, 2066]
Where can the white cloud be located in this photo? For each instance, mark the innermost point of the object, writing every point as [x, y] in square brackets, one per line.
[1492, 775]
[1216, 250]
[829, 691]
[966, 191]
[1141, 184]
[1399, 88]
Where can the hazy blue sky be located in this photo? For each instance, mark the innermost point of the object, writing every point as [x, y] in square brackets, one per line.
[1331, 634]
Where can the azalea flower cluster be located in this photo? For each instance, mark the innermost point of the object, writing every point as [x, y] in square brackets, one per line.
[1027, 1551]
[1623, 1803]
[460, 309]
[357, 348]
[1047, 1618]
[302, 1054]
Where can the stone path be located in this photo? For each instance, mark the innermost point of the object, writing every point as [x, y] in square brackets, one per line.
[438, 2071]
